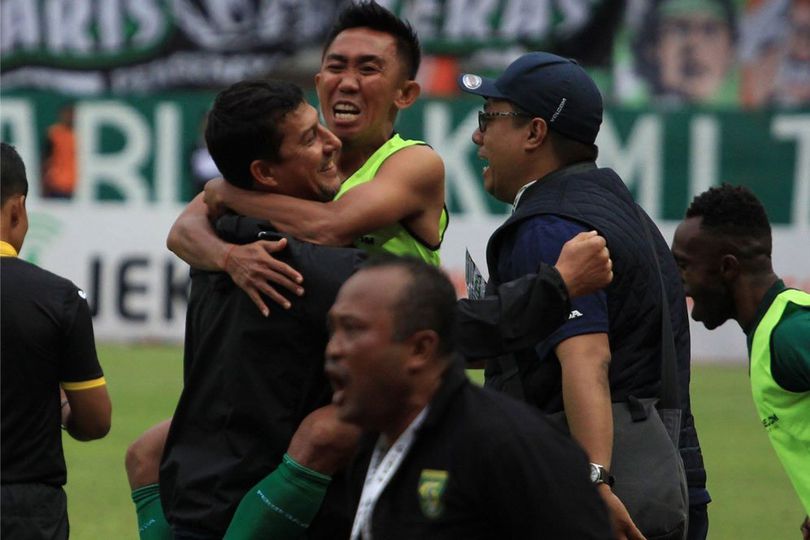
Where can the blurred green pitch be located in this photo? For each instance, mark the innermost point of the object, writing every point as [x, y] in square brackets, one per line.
[752, 496]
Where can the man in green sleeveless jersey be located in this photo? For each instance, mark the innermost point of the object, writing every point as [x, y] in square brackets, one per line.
[723, 249]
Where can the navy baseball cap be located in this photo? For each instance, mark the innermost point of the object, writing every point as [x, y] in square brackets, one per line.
[553, 88]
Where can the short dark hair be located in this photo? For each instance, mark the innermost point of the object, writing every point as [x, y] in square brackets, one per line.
[732, 211]
[428, 302]
[369, 14]
[568, 150]
[243, 125]
[13, 180]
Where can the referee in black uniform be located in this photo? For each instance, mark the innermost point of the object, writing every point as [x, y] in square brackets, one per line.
[47, 342]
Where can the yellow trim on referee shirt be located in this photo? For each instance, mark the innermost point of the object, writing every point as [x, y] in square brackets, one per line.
[83, 385]
[7, 250]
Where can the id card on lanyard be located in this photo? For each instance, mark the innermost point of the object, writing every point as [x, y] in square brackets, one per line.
[381, 469]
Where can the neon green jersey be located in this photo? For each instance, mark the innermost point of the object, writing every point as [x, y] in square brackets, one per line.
[785, 414]
[394, 239]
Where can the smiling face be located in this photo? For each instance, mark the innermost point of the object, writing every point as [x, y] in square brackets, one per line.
[699, 256]
[360, 79]
[501, 146]
[307, 168]
[365, 364]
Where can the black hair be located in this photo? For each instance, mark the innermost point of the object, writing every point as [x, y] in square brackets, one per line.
[428, 302]
[13, 180]
[568, 150]
[646, 38]
[369, 14]
[243, 125]
[571, 151]
[732, 211]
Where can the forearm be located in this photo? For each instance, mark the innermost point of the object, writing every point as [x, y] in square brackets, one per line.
[192, 238]
[523, 312]
[311, 221]
[87, 413]
[586, 398]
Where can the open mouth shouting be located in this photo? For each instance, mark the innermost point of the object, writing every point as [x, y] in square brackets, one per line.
[345, 112]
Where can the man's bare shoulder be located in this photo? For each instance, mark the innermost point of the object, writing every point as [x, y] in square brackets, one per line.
[415, 167]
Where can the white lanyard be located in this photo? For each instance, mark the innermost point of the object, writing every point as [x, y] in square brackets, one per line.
[381, 469]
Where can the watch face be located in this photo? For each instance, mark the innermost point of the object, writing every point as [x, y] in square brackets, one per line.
[594, 473]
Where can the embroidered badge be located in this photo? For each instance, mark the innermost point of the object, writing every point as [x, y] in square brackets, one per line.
[431, 488]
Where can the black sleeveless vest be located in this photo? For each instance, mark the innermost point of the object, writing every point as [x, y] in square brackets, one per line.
[598, 199]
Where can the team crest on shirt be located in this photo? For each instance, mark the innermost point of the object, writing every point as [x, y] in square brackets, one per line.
[431, 488]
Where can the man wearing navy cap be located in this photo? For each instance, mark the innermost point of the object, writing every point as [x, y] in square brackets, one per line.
[537, 133]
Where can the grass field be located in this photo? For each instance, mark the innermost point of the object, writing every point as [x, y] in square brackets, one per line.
[752, 497]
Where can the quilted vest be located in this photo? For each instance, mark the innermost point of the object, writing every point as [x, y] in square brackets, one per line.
[598, 199]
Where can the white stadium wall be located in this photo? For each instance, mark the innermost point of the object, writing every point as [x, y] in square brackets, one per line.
[117, 254]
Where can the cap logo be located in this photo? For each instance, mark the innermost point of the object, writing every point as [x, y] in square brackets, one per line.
[559, 109]
[470, 81]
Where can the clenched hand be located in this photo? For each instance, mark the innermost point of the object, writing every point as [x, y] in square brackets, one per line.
[585, 264]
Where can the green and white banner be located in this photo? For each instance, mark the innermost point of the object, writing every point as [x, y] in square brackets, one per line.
[138, 161]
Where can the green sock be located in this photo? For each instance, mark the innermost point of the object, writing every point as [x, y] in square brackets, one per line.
[152, 524]
[281, 505]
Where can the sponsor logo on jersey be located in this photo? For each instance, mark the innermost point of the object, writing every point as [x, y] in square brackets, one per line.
[575, 314]
[770, 421]
[432, 484]
[366, 240]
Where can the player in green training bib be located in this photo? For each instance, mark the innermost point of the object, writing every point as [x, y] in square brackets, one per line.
[724, 251]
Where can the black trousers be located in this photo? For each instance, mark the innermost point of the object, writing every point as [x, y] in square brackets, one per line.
[33, 512]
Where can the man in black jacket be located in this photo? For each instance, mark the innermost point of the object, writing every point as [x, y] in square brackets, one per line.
[250, 380]
[443, 459]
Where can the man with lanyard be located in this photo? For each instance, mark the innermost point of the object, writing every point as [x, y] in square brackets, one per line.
[537, 134]
[442, 458]
[723, 249]
[47, 344]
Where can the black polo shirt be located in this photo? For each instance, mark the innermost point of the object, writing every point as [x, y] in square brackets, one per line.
[47, 339]
[485, 466]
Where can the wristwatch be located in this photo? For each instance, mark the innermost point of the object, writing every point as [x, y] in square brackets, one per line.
[600, 475]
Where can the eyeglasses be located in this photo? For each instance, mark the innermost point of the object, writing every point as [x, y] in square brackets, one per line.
[484, 117]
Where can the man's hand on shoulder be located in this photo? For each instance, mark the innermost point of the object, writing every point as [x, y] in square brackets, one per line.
[252, 267]
[584, 264]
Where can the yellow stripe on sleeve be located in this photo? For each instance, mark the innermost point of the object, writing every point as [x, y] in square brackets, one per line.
[83, 385]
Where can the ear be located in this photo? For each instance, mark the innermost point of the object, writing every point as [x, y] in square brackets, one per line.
[263, 173]
[538, 134]
[729, 268]
[422, 350]
[407, 94]
[16, 210]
